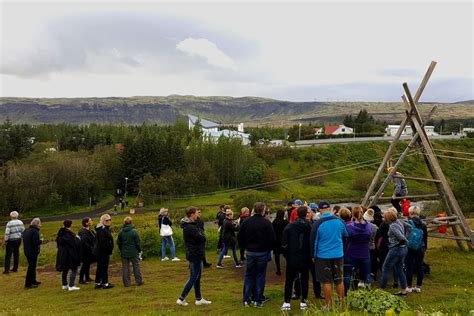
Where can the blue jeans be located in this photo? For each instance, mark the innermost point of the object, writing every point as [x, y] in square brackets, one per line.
[255, 274]
[224, 251]
[167, 240]
[353, 263]
[395, 260]
[72, 277]
[414, 262]
[195, 268]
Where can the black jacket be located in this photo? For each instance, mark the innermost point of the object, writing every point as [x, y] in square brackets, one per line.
[194, 240]
[296, 244]
[88, 241]
[162, 219]
[220, 217]
[256, 234]
[229, 228]
[200, 223]
[105, 241]
[31, 241]
[278, 227]
[69, 250]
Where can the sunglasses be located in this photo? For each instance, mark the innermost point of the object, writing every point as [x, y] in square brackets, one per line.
[108, 220]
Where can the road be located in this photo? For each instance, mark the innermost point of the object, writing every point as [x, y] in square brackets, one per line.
[316, 142]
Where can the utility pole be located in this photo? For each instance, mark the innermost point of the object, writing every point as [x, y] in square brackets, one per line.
[299, 131]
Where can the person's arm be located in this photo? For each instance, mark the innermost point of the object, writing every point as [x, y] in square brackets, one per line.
[396, 231]
[312, 239]
[241, 235]
[7, 233]
[284, 242]
[119, 241]
[425, 236]
[167, 221]
[137, 241]
[36, 241]
[345, 232]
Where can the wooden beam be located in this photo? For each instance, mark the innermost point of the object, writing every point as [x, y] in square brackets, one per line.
[417, 179]
[434, 235]
[433, 224]
[421, 196]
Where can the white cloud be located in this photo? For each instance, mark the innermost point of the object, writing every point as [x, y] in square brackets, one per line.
[208, 50]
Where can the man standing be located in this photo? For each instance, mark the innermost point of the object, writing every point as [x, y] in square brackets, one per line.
[296, 249]
[327, 251]
[256, 235]
[31, 246]
[194, 241]
[13, 232]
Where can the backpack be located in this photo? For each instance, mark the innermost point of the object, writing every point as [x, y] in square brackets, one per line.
[415, 239]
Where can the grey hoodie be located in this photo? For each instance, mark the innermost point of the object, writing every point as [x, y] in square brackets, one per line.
[397, 233]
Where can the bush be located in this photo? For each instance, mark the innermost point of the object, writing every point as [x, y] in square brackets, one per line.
[320, 179]
[249, 198]
[271, 175]
[376, 302]
[362, 181]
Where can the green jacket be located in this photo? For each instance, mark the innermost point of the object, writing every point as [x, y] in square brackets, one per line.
[128, 242]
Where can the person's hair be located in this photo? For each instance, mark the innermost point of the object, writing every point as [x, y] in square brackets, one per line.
[414, 210]
[259, 208]
[103, 218]
[302, 211]
[127, 220]
[358, 214]
[163, 211]
[85, 220]
[289, 203]
[14, 215]
[266, 212]
[191, 210]
[229, 213]
[349, 208]
[390, 215]
[244, 210]
[336, 209]
[36, 222]
[345, 214]
[67, 223]
[221, 207]
[226, 207]
[280, 215]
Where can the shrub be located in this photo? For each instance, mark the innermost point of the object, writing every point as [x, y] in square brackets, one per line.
[271, 175]
[376, 302]
[320, 179]
[249, 198]
[362, 180]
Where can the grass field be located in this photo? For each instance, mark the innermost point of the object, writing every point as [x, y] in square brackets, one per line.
[449, 287]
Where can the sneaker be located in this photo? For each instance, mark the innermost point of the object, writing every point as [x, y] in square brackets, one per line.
[73, 288]
[286, 307]
[64, 287]
[219, 266]
[303, 306]
[107, 286]
[401, 294]
[416, 289]
[238, 266]
[182, 302]
[165, 259]
[258, 305]
[409, 289]
[265, 299]
[175, 259]
[32, 286]
[98, 286]
[361, 285]
[203, 302]
[226, 257]
[246, 304]
[83, 282]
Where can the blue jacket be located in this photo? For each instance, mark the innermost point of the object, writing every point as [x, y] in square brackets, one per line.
[328, 238]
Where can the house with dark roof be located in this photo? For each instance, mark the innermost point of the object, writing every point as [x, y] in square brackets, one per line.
[205, 124]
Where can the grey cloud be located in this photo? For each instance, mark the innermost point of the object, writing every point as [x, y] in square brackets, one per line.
[126, 39]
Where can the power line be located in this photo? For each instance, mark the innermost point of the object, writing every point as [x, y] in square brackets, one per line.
[455, 152]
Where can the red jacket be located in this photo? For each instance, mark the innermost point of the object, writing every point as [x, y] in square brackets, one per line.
[405, 205]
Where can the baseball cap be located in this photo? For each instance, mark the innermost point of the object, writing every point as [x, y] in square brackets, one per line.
[323, 204]
[298, 202]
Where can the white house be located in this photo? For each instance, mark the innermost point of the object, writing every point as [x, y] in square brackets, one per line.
[391, 130]
[466, 130]
[338, 130]
[211, 130]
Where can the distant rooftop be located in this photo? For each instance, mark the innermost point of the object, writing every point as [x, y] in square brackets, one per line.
[204, 123]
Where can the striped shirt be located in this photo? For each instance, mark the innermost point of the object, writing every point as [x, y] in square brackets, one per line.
[14, 229]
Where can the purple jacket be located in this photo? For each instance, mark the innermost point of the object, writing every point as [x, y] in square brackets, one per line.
[358, 241]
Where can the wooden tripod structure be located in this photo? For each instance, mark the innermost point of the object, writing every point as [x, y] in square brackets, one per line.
[455, 218]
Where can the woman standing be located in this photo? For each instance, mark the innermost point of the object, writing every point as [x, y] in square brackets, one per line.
[88, 240]
[229, 228]
[417, 245]
[68, 256]
[244, 214]
[279, 224]
[166, 233]
[397, 232]
[357, 255]
[103, 250]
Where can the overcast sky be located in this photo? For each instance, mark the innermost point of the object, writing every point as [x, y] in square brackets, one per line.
[306, 51]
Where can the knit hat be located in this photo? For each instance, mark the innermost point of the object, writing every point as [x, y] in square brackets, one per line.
[369, 215]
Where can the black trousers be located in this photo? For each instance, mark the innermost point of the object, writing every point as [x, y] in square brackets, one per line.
[84, 274]
[31, 271]
[12, 248]
[102, 273]
[316, 284]
[291, 275]
[374, 265]
[396, 204]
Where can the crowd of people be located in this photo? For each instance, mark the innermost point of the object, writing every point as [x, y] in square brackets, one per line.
[342, 248]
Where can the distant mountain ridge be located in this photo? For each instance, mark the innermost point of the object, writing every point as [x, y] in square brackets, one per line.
[228, 110]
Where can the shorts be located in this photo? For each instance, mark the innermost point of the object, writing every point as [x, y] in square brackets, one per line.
[329, 270]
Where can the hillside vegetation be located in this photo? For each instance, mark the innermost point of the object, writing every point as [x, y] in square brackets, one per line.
[166, 110]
